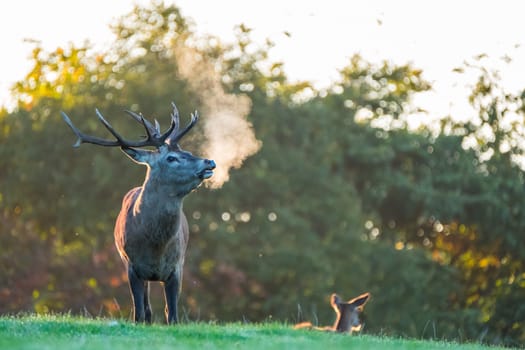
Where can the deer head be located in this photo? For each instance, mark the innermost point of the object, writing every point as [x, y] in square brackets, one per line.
[347, 312]
[168, 164]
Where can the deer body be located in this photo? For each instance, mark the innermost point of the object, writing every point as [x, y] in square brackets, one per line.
[151, 231]
[154, 255]
[151, 240]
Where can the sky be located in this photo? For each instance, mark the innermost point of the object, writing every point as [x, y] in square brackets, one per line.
[314, 39]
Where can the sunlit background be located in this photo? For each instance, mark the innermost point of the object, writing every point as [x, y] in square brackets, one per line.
[386, 155]
[313, 38]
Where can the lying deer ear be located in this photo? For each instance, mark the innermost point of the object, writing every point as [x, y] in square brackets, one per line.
[334, 299]
[138, 155]
[335, 302]
[360, 300]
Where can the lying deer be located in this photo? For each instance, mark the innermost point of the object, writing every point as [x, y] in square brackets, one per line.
[347, 315]
[151, 231]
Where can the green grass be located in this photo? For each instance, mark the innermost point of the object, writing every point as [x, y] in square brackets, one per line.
[67, 332]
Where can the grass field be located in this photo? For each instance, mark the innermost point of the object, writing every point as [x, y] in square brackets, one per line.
[66, 332]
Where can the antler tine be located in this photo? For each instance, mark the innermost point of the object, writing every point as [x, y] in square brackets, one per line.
[180, 134]
[171, 134]
[175, 117]
[150, 128]
[135, 116]
[174, 125]
[108, 126]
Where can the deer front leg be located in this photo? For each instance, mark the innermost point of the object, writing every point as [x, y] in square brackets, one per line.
[147, 305]
[138, 294]
[171, 293]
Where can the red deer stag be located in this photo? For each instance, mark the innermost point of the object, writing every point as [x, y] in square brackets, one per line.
[347, 315]
[151, 231]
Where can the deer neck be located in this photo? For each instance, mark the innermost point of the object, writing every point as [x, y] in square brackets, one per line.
[159, 197]
[344, 321]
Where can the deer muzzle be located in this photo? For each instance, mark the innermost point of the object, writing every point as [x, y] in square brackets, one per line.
[207, 172]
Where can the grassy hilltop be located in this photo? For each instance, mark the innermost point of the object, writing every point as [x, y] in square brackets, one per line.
[66, 332]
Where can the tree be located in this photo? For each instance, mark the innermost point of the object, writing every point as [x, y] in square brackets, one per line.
[433, 193]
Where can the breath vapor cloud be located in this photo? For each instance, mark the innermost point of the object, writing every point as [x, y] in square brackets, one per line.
[229, 136]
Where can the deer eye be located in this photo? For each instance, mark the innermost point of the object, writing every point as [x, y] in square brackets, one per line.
[171, 159]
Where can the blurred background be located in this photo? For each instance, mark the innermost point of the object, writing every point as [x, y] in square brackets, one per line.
[367, 148]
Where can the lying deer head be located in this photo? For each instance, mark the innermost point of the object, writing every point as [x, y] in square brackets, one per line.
[347, 312]
[347, 315]
[151, 231]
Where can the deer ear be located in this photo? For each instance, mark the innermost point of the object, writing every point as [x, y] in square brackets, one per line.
[138, 155]
[360, 300]
[334, 299]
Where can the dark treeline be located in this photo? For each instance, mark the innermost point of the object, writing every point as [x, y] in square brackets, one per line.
[342, 197]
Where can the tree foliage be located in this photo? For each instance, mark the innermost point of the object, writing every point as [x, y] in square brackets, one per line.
[342, 197]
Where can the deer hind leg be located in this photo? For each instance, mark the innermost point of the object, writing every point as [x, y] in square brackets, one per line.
[147, 305]
[137, 287]
[171, 293]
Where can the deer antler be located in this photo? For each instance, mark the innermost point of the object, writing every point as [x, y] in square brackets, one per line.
[153, 134]
[151, 139]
